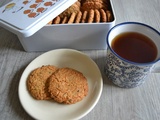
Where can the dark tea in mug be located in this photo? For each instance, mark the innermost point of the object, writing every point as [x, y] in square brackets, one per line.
[135, 47]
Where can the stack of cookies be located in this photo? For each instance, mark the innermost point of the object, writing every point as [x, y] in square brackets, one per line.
[85, 11]
[94, 4]
[63, 85]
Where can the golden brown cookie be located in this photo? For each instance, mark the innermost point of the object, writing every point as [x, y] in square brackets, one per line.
[73, 8]
[109, 16]
[84, 17]
[93, 5]
[57, 20]
[65, 20]
[78, 4]
[68, 86]
[78, 17]
[100, 1]
[37, 82]
[97, 16]
[103, 16]
[72, 18]
[91, 16]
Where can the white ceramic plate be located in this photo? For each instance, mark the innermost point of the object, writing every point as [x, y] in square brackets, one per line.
[47, 110]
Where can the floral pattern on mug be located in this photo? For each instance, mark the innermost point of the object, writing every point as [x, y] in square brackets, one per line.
[125, 74]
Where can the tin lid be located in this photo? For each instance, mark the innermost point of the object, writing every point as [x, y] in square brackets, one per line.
[25, 17]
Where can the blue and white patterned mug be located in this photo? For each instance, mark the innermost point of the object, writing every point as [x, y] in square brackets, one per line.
[125, 73]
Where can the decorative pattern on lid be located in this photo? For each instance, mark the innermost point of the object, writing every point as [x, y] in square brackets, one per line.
[25, 17]
[25, 9]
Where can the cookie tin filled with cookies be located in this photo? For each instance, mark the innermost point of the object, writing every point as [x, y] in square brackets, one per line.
[43, 25]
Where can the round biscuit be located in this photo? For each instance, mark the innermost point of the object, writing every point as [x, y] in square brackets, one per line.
[78, 3]
[37, 82]
[100, 1]
[84, 17]
[103, 16]
[65, 19]
[109, 16]
[97, 16]
[72, 18]
[91, 16]
[57, 20]
[73, 8]
[78, 17]
[93, 5]
[68, 86]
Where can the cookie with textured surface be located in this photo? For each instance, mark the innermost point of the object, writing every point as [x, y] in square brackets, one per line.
[37, 82]
[68, 86]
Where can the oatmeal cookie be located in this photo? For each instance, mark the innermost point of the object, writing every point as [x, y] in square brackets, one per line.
[84, 17]
[109, 16]
[93, 5]
[103, 16]
[37, 82]
[73, 8]
[78, 17]
[68, 86]
[56, 20]
[100, 1]
[72, 18]
[91, 16]
[97, 16]
[65, 20]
